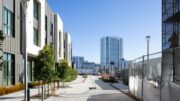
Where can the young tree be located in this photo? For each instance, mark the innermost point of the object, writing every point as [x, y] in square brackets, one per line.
[1, 49]
[44, 65]
[73, 74]
[63, 71]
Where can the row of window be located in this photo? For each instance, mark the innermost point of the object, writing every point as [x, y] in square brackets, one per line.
[8, 69]
[8, 22]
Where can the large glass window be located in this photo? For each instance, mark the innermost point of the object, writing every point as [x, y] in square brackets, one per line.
[36, 37]
[46, 25]
[8, 69]
[52, 27]
[35, 9]
[8, 22]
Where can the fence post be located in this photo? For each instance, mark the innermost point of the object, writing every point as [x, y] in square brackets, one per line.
[142, 78]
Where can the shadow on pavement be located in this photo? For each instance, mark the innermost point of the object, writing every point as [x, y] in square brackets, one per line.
[106, 97]
[103, 85]
[4, 98]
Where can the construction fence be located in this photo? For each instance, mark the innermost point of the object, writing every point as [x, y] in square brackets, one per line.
[156, 77]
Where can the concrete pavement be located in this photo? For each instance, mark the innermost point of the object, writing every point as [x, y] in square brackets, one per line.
[79, 91]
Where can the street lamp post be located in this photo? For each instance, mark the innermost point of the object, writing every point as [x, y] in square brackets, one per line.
[24, 14]
[148, 40]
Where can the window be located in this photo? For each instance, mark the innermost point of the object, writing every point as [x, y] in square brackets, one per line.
[52, 27]
[8, 69]
[35, 9]
[46, 19]
[36, 37]
[8, 23]
[46, 25]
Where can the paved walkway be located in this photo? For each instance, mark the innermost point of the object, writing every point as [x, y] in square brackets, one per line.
[79, 91]
[18, 96]
[121, 86]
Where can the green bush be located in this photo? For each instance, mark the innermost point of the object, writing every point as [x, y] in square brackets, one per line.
[72, 75]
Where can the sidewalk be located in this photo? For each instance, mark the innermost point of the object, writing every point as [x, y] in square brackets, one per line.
[122, 87]
[74, 86]
[18, 96]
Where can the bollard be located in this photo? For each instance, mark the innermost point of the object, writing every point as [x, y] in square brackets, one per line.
[28, 94]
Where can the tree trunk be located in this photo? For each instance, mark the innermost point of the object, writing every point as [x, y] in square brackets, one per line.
[44, 89]
[63, 83]
[39, 88]
[54, 86]
[48, 89]
[58, 84]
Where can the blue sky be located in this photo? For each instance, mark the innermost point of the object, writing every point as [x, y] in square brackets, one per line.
[89, 20]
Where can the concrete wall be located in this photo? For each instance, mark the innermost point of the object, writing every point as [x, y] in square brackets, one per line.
[68, 48]
[50, 20]
[58, 38]
[12, 44]
[30, 23]
[1, 5]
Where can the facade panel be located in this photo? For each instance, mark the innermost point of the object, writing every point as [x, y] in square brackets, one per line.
[58, 38]
[11, 44]
[67, 48]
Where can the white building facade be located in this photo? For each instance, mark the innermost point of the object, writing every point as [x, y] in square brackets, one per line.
[43, 27]
[68, 48]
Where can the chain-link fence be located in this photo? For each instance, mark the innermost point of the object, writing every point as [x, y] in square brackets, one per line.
[156, 77]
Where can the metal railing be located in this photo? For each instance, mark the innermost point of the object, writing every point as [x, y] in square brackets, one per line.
[158, 81]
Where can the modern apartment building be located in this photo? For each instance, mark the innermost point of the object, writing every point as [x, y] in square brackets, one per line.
[111, 51]
[88, 68]
[11, 24]
[43, 27]
[67, 48]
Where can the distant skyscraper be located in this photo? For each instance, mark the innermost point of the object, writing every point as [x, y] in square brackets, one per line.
[78, 62]
[111, 51]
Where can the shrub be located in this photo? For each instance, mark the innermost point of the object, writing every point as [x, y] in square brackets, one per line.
[2, 90]
[108, 78]
[11, 89]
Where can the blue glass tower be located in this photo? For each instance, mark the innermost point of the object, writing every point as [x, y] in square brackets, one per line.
[111, 51]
